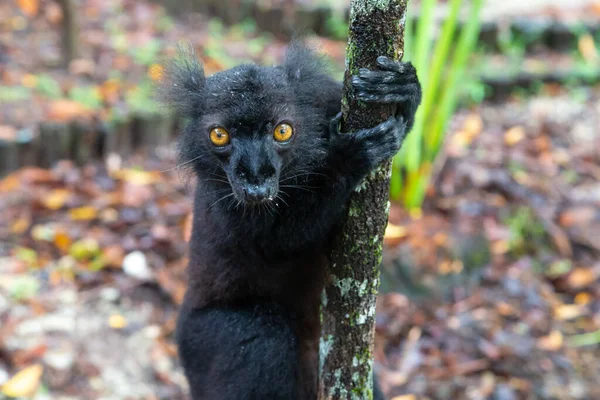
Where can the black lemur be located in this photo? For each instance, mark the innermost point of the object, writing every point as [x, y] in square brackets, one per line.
[274, 175]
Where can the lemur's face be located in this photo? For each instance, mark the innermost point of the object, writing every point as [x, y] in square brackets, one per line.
[252, 156]
[252, 139]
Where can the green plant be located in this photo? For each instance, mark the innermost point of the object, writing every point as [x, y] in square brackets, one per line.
[147, 53]
[527, 234]
[48, 86]
[140, 99]
[89, 96]
[11, 94]
[440, 71]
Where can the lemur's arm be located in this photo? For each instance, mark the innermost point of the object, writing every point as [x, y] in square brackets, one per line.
[353, 156]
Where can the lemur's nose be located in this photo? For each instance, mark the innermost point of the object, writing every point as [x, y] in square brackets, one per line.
[257, 193]
[256, 176]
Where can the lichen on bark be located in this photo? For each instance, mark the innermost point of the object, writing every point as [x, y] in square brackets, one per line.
[348, 314]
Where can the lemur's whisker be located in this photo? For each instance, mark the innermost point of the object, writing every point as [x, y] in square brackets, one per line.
[180, 165]
[222, 198]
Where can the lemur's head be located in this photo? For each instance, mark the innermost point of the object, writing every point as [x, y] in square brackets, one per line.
[251, 129]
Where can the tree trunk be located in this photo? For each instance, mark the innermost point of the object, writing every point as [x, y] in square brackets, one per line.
[70, 31]
[348, 306]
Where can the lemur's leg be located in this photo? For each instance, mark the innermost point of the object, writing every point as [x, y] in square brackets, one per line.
[239, 353]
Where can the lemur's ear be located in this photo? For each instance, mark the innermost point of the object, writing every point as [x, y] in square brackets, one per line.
[182, 83]
[301, 62]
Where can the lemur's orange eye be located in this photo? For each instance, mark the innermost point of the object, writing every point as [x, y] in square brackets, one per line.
[219, 137]
[283, 132]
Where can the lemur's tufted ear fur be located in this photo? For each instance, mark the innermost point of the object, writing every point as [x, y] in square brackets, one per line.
[302, 63]
[182, 84]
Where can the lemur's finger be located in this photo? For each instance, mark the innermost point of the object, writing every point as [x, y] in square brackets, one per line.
[387, 64]
[380, 129]
[386, 94]
[334, 124]
[387, 98]
[383, 78]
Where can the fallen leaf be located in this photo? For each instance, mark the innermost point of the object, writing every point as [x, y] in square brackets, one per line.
[29, 7]
[109, 90]
[582, 298]
[393, 234]
[577, 216]
[473, 125]
[156, 72]
[84, 249]
[66, 110]
[113, 256]
[552, 342]
[7, 133]
[9, 183]
[117, 321]
[19, 226]
[24, 383]
[581, 277]
[514, 135]
[567, 312]
[85, 213]
[36, 175]
[56, 199]
[137, 177]
[29, 81]
[587, 47]
[62, 241]
[405, 397]
[505, 309]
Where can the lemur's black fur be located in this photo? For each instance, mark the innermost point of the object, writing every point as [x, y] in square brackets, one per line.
[249, 326]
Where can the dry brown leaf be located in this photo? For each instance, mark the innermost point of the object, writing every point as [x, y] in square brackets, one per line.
[117, 321]
[56, 199]
[19, 226]
[36, 175]
[566, 312]
[137, 177]
[109, 90]
[66, 110]
[9, 183]
[577, 216]
[85, 213]
[7, 132]
[405, 397]
[156, 72]
[581, 277]
[29, 81]
[113, 256]
[514, 135]
[473, 125]
[62, 241]
[587, 48]
[393, 234]
[582, 298]
[552, 342]
[29, 7]
[24, 383]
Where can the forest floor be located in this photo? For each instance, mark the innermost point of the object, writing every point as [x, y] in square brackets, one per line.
[502, 278]
[491, 292]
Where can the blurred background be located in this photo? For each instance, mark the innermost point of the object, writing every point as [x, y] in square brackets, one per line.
[490, 275]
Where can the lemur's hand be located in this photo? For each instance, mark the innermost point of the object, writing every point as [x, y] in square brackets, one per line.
[393, 82]
[368, 148]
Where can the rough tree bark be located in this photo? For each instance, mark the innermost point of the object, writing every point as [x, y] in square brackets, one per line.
[348, 304]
